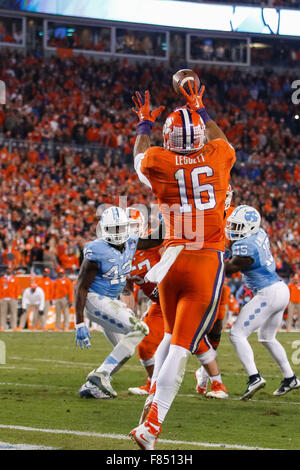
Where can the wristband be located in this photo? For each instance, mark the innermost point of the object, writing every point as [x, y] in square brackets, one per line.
[144, 127]
[204, 115]
[79, 325]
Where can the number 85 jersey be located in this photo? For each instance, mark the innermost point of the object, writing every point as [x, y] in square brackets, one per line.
[191, 191]
[113, 265]
[262, 272]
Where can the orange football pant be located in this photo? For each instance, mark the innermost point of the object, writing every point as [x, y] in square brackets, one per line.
[190, 296]
[154, 319]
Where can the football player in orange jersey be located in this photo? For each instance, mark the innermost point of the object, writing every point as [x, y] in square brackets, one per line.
[141, 265]
[214, 336]
[189, 177]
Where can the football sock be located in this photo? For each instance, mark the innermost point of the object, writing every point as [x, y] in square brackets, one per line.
[167, 384]
[160, 355]
[121, 353]
[218, 378]
[278, 353]
[245, 353]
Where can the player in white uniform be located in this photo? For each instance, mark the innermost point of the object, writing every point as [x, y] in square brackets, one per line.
[102, 278]
[251, 255]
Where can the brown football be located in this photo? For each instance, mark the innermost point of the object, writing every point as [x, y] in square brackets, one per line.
[181, 78]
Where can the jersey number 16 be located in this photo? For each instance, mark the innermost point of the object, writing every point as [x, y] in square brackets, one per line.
[197, 189]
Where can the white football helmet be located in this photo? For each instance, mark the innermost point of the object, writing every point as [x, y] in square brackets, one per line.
[113, 226]
[136, 221]
[229, 194]
[242, 223]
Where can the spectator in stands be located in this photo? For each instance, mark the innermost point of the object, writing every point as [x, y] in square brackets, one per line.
[9, 294]
[33, 298]
[294, 305]
[63, 299]
[46, 284]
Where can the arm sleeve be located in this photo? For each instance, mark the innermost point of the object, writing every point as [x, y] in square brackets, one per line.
[140, 166]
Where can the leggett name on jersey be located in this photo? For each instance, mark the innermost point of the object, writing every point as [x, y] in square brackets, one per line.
[184, 160]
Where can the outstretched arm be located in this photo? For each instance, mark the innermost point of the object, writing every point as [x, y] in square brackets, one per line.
[146, 120]
[195, 103]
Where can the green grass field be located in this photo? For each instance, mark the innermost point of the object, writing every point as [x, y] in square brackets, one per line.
[40, 406]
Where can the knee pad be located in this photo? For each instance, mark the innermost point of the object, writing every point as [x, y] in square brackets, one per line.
[148, 362]
[207, 357]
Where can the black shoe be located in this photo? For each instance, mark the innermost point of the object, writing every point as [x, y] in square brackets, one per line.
[287, 385]
[255, 383]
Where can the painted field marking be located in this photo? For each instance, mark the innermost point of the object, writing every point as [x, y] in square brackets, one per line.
[182, 395]
[127, 438]
[9, 446]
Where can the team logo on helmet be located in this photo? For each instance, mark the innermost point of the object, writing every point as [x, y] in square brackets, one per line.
[184, 131]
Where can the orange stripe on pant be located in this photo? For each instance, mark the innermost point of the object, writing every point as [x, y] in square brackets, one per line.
[190, 295]
[154, 319]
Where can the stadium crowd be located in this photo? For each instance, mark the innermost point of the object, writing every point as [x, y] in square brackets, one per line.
[67, 135]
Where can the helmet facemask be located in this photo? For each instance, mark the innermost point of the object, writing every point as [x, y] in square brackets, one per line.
[113, 226]
[184, 132]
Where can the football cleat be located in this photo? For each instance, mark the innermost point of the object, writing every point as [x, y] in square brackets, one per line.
[218, 390]
[88, 390]
[202, 382]
[102, 381]
[143, 390]
[143, 436]
[254, 384]
[287, 385]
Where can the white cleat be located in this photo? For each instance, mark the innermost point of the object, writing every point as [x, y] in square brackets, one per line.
[144, 438]
[202, 382]
[287, 385]
[138, 391]
[143, 390]
[102, 381]
[253, 386]
[88, 390]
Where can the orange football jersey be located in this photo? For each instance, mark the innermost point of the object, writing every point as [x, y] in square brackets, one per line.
[142, 262]
[191, 191]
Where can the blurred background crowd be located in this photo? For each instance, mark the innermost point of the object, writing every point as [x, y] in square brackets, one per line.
[67, 132]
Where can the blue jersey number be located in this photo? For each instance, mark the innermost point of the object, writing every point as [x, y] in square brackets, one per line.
[115, 276]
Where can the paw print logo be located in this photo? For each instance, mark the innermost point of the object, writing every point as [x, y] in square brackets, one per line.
[251, 216]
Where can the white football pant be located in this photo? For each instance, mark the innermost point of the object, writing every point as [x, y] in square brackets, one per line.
[263, 313]
[114, 317]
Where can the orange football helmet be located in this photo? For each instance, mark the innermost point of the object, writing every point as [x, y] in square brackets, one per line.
[184, 131]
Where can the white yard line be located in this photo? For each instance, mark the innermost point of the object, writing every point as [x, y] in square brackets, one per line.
[183, 395]
[9, 446]
[126, 438]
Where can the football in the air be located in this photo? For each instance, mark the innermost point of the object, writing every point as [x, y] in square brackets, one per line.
[181, 78]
